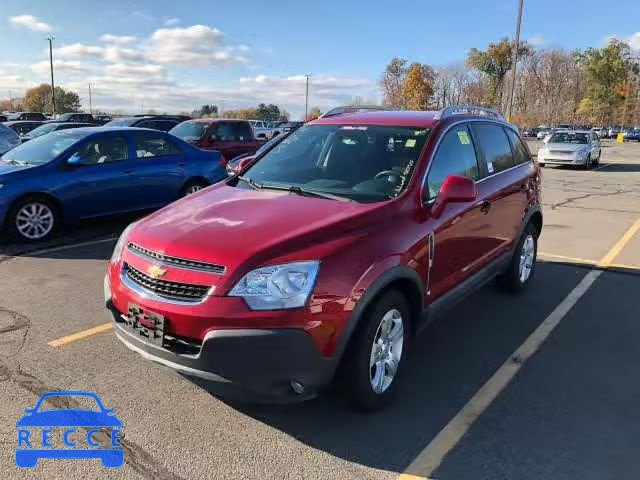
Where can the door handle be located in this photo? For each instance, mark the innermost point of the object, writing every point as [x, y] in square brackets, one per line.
[127, 171]
[485, 207]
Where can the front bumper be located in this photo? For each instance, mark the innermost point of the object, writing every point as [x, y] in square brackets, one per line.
[550, 160]
[262, 363]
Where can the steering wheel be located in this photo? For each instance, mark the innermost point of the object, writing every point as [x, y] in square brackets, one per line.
[386, 173]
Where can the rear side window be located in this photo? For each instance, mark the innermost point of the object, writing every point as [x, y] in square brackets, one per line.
[520, 153]
[242, 132]
[150, 146]
[455, 156]
[495, 146]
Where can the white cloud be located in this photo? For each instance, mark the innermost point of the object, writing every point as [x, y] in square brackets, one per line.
[119, 68]
[117, 39]
[123, 55]
[170, 22]
[634, 41]
[79, 50]
[30, 22]
[60, 65]
[195, 45]
[536, 40]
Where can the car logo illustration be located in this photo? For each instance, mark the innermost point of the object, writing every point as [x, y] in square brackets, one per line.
[156, 272]
[78, 425]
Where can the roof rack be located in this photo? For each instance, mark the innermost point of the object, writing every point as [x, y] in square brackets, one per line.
[352, 109]
[467, 110]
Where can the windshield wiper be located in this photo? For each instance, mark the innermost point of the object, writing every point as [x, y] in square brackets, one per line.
[294, 189]
[16, 162]
[250, 181]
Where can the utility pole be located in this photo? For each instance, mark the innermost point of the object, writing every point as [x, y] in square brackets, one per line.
[514, 63]
[51, 38]
[90, 103]
[306, 99]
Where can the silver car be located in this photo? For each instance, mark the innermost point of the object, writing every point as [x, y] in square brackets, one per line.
[8, 139]
[571, 147]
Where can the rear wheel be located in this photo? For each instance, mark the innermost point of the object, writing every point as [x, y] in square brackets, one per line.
[193, 186]
[32, 219]
[369, 374]
[523, 263]
[587, 163]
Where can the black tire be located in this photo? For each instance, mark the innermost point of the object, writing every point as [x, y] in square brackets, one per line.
[16, 211]
[587, 164]
[192, 186]
[355, 371]
[511, 280]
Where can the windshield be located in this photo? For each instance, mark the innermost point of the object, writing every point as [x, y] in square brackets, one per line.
[569, 137]
[121, 122]
[42, 129]
[44, 148]
[366, 163]
[189, 130]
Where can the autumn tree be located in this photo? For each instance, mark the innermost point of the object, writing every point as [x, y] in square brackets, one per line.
[313, 113]
[38, 99]
[392, 82]
[417, 89]
[495, 62]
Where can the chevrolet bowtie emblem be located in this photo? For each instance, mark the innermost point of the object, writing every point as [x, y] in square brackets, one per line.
[156, 272]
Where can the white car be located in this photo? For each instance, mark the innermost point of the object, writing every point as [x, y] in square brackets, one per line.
[571, 147]
[8, 139]
[261, 129]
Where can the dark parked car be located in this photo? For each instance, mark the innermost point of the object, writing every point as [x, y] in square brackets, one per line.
[3, 118]
[530, 132]
[49, 127]
[324, 258]
[22, 127]
[152, 122]
[82, 173]
[231, 137]
[76, 117]
[37, 116]
[234, 164]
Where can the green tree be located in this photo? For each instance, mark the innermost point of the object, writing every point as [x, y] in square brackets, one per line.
[417, 89]
[38, 99]
[268, 113]
[205, 111]
[495, 62]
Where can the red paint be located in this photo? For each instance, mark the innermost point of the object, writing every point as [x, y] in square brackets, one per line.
[355, 243]
[229, 149]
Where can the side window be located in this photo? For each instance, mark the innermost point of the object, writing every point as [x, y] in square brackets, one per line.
[147, 124]
[225, 132]
[519, 150]
[150, 146]
[495, 146]
[105, 150]
[455, 156]
[165, 125]
[242, 132]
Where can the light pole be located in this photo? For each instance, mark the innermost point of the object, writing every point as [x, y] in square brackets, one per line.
[50, 39]
[90, 102]
[514, 63]
[306, 98]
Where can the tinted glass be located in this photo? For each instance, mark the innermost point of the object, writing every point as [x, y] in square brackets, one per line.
[121, 122]
[165, 125]
[44, 148]
[519, 150]
[189, 130]
[42, 129]
[495, 146]
[569, 137]
[105, 150]
[225, 132]
[455, 156]
[242, 132]
[150, 146]
[362, 162]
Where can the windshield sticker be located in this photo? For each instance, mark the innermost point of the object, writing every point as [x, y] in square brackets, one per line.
[464, 138]
[353, 127]
[404, 176]
[490, 167]
[420, 133]
[411, 142]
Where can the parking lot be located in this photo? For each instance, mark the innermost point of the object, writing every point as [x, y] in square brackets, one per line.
[542, 385]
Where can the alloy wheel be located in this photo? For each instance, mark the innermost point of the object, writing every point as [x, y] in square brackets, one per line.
[34, 220]
[526, 258]
[386, 351]
[193, 189]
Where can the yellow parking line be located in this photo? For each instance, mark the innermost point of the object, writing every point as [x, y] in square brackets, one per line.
[585, 261]
[80, 335]
[617, 248]
[408, 476]
[431, 457]
[625, 266]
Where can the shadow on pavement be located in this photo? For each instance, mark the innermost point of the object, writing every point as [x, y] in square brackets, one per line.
[450, 361]
[620, 168]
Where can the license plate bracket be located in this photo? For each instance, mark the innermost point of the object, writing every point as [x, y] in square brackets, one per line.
[148, 325]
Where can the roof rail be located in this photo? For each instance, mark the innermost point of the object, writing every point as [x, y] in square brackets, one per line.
[352, 109]
[467, 110]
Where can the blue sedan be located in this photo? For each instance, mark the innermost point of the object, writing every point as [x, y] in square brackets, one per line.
[69, 175]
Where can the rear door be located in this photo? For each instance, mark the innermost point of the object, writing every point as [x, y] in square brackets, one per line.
[506, 187]
[460, 238]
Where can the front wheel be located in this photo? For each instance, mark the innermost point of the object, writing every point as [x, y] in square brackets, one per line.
[33, 219]
[193, 187]
[523, 263]
[369, 374]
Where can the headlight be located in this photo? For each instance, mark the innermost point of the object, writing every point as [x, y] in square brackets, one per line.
[277, 287]
[582, 152]
[117, 251]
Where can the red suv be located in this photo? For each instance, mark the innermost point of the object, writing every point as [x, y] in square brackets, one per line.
[325, 256]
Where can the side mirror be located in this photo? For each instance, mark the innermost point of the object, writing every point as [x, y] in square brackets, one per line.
[455, 189]
[244, 163]
[76, 160]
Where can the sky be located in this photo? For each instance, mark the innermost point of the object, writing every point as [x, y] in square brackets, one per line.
[177, 55]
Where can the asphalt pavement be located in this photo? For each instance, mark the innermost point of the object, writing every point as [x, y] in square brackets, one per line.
[568, 413]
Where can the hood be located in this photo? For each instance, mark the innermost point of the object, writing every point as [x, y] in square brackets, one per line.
[7, 168]
[566, 147]
[230, 226]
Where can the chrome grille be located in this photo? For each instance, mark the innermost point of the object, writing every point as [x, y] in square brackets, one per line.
[560, 152]
[176, 261]
[171, 290]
